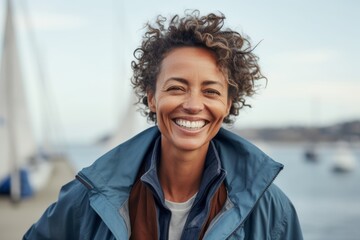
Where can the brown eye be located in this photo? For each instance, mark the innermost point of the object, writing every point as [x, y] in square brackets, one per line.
[212, 92]
[175, 89]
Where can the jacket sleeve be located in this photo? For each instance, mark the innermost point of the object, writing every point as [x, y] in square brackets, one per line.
[274, 218]
[62, 219]
[288, 226]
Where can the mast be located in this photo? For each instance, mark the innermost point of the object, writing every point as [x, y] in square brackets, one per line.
[8, 58]
[17, 141]
[48, 133]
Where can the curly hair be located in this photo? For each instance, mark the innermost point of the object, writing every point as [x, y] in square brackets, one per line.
[233, 52]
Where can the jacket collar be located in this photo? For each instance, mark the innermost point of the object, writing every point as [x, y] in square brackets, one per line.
[247, 166]
[114, 173]
[212, 171]
[249, 173]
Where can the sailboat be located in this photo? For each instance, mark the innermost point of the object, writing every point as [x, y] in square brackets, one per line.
[344, 160]
[311, 151]
[24, 169]
[130, 123]
[311, 154]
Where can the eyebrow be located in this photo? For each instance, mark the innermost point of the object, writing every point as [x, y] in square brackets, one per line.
[204, 83]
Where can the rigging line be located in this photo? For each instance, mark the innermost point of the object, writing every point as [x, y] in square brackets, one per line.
[49, 133]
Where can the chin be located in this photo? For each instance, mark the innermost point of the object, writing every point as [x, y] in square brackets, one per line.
[192, 145]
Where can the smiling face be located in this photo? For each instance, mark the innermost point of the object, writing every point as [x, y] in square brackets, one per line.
[191, 99]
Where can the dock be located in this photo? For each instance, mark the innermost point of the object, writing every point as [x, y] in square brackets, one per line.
[16, 218]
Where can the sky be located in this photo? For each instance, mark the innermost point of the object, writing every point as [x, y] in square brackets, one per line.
[308, 50]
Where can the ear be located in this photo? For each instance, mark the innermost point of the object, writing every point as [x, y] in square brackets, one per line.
[151, 101]
[228, 107]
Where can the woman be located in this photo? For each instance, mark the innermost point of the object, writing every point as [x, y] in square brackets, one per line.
[185, 178]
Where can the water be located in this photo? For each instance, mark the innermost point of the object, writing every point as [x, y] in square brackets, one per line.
[328, 204]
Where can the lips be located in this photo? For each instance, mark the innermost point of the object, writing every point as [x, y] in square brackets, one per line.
[192, 125]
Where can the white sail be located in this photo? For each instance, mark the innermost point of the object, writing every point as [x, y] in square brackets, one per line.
[17, 142]
[130, 123]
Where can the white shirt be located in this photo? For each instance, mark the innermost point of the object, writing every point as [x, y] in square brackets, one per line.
[179, 214]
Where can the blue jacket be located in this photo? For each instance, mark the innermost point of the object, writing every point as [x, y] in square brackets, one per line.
[96, 206]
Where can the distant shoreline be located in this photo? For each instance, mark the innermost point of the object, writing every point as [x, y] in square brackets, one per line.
[345, 131]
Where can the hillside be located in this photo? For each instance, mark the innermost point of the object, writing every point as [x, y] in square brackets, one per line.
[345, 131]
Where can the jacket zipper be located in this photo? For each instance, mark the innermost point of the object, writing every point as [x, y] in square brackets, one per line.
[216, 219]
[218, 182]
[84, 181]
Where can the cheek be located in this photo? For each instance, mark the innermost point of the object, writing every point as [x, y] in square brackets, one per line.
[166, 104]
[219, 107]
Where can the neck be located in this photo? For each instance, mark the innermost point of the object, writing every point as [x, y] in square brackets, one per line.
[180, 173]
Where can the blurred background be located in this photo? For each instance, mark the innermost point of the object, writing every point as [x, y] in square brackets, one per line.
[75, 95]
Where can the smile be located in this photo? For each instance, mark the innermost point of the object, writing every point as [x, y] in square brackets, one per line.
[193, 125]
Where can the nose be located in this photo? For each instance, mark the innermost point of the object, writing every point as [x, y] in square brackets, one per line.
[193, 103]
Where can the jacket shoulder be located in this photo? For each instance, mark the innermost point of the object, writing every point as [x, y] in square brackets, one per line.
[63, 219]
[120, 165]
[274, 217]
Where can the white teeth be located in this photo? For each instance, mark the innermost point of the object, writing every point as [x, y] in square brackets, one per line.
[190, 124]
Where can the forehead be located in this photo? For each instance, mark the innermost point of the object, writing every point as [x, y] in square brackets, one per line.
[190, 61]
[188, 54]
